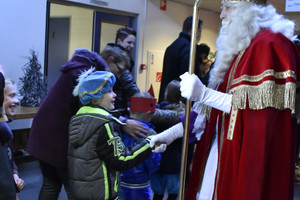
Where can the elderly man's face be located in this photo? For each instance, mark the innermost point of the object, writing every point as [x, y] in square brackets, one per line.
[226, 11]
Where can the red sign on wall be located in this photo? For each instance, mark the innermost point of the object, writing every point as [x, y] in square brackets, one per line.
[158, 76]
[163, 4]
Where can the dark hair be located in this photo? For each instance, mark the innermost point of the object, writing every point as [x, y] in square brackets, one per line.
[188, 23]
[116, 52]
[144, 95]
[173, 93]
[203, 48]
[123, 32]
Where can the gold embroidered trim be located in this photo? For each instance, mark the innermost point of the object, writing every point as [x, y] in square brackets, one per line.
[232, 71]
[267, 94]
[97, 89]
[233, 116]
[202, 109]
[233, 112]
[269, 72]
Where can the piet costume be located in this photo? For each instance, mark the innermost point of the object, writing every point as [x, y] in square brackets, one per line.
[256, 144]
[96, 152]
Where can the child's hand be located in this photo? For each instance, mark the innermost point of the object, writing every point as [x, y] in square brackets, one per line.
[159, 147]
[19, 182]
[135, 129]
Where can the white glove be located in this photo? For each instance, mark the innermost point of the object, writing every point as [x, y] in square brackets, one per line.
[193, 89]
[167, 136]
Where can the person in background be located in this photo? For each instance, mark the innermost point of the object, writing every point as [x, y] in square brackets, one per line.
[168, 175]
[247, 148]
[176, 58]
[135, 182]
[125, 85]
[202, 52]
[125, 40]
[48, 139]
[7, 186]
[176, 62]
[204, 70]
[96, 152]
[10, 103]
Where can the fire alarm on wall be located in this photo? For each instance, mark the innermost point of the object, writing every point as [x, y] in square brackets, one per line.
[143, 66]
[163, 4]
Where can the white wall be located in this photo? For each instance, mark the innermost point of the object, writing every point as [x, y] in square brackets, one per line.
[163, 27]
[22, 25]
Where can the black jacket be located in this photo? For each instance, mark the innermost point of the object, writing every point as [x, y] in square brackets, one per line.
[125, 87]
[164, 117]
[176, 61]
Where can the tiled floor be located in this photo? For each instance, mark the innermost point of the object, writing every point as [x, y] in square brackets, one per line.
[31, 174]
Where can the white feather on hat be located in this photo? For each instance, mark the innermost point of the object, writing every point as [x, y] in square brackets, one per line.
[83, 75]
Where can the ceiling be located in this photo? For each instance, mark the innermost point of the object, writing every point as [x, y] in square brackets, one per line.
[214, 5]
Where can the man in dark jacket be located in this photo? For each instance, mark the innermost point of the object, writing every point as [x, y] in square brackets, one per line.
[176, 58]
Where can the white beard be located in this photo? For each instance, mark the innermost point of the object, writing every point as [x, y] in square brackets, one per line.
[239, 29]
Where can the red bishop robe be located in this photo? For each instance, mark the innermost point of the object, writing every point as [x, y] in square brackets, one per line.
[256, 144]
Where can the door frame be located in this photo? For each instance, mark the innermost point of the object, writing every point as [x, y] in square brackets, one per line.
[110, 18]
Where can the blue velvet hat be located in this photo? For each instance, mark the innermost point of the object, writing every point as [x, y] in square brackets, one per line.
[93, 85]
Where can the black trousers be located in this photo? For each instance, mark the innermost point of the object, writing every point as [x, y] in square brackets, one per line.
[7, 185]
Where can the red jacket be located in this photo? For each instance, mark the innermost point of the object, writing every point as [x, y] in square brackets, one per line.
[256, 143]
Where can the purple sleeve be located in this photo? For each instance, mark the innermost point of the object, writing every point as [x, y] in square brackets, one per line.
[192, 136]
[123, 119]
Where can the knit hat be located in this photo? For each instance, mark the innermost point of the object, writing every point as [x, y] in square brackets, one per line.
[260, 2]
[92, 85]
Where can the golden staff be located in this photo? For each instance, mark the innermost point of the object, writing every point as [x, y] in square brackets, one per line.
[188, 102]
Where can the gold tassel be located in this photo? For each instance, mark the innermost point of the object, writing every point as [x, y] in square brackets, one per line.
[267, 94]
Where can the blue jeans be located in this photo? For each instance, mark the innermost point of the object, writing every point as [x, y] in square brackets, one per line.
[125, 193]
[160, 182]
